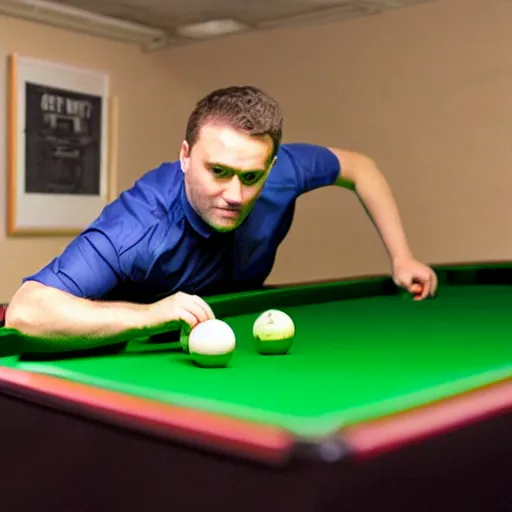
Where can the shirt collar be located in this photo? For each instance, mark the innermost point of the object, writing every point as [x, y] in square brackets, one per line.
[193, 218]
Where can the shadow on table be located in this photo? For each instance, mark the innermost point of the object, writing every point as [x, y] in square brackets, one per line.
[11, 345]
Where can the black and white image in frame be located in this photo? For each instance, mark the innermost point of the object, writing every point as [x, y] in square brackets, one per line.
[62, 141]
[51, 213]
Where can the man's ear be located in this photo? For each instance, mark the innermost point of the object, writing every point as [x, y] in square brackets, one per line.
[184, 156]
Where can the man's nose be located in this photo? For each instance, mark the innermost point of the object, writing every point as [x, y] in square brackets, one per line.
[233, 192]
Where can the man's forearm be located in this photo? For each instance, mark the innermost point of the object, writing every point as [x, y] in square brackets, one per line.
[46, 313]
[375, 194]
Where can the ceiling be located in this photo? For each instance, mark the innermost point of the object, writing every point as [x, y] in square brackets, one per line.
[171, 17]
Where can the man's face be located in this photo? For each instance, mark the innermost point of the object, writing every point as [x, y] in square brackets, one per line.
[224, 174]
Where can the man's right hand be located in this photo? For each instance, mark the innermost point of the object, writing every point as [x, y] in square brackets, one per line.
[179, 310]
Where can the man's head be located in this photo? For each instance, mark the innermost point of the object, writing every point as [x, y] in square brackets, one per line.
[230, 145]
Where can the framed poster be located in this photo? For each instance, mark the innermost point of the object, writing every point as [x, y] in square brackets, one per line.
[60, 135]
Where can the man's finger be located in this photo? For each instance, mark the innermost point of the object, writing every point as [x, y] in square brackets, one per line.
[417, 290]
[206, 309]
[435, 284]
[188, 317]
[426, 289]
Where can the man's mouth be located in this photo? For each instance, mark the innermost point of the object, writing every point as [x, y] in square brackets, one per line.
[229, 212]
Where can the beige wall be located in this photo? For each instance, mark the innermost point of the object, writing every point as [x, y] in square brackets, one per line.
[424, 90]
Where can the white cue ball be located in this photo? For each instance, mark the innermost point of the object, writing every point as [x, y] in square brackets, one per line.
[211, 343]
[274, 332]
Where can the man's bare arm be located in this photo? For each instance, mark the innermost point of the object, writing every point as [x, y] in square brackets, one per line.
[361, 174]
[44, 312]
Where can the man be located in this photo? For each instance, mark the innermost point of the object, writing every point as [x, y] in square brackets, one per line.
[208, 223]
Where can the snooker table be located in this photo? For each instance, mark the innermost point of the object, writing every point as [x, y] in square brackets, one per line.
[383, 403]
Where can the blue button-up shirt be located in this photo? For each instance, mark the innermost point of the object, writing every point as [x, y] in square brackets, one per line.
[150, 243]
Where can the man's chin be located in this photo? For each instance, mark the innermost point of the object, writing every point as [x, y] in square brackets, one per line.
[224, 224]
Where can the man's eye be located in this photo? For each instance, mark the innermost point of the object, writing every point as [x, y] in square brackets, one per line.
[250, 178]
[219, 172]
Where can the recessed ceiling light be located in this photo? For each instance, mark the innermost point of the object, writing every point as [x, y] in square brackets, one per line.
[211, 28]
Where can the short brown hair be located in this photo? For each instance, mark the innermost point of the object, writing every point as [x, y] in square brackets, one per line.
[244, 108]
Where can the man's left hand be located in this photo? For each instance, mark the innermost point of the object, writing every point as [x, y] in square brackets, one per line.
[418, 279]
